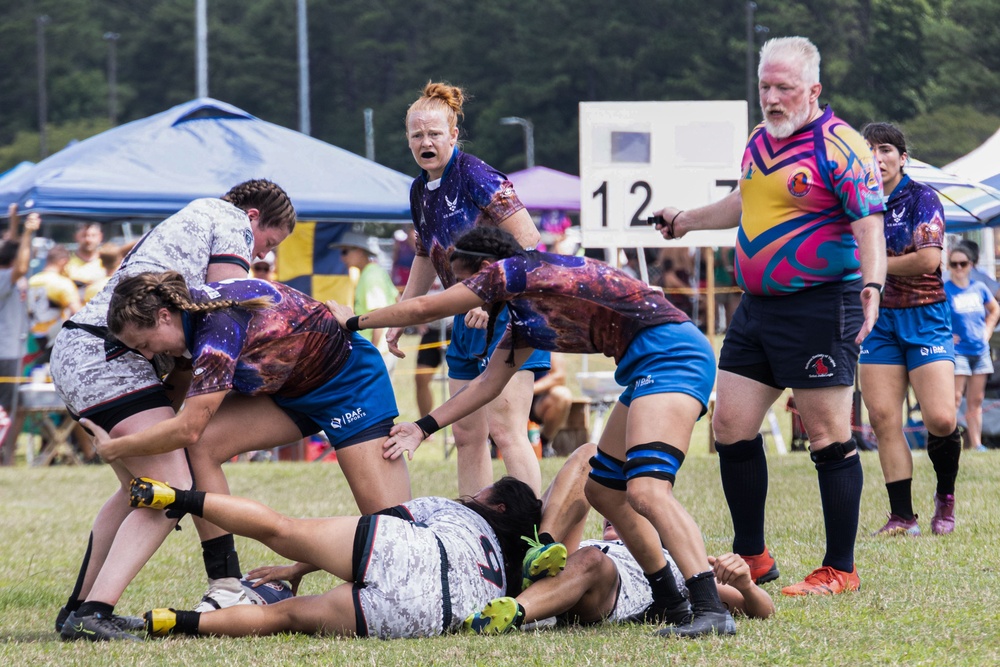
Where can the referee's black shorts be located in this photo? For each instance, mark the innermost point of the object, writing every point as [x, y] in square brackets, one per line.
[799, 340]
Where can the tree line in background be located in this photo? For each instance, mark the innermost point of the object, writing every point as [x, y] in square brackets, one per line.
[933, 66]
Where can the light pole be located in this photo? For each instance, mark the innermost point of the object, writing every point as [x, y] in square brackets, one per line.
[112, 39]
[305, 121]
[43, 100]
[529, 136]
[201, 47]
[752, 30]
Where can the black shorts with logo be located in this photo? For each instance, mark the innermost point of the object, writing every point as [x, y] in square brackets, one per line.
[800, 340]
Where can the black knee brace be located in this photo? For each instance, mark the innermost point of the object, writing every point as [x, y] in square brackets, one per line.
[836, 451]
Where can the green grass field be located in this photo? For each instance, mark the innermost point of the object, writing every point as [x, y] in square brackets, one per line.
[925, 601]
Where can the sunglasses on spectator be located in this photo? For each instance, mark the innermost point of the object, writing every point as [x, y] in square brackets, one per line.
[958, 265]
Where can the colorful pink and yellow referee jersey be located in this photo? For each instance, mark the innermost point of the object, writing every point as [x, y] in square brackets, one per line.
[800, 195]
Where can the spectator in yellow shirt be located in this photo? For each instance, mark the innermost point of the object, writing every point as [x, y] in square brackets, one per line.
[52, 298]
[84, 265]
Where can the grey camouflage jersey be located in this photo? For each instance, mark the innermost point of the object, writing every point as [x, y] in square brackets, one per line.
[206, 231]
[400, 585]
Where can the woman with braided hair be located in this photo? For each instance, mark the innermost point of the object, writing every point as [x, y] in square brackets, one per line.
[580, 305]
[253, 344]
[456, 192]
[210, 239]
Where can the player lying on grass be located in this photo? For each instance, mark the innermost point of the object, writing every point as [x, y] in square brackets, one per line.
[601, 581]
[579, 305]
[414, 570]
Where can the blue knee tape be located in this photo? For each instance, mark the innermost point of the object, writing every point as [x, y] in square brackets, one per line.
[607, 471]
[653, 459]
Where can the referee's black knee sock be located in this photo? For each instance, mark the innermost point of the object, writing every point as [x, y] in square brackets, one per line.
[944, 452]
[743, 467]
[840, 484]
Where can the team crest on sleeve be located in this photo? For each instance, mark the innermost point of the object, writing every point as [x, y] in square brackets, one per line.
[248, 237]
[799, 183]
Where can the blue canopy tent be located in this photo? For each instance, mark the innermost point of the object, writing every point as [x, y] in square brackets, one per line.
[18, 168]
[149, 169]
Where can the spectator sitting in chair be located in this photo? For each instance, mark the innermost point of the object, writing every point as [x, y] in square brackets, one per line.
[551, 404]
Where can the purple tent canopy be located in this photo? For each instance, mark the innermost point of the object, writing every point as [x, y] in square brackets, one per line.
[541, 188]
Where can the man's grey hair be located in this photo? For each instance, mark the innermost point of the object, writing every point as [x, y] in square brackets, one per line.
[794, 50]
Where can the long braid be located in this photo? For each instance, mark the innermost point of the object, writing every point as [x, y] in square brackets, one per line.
[137, 299]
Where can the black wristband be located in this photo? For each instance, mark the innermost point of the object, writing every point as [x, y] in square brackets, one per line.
[879, 286]
[353, 323]
[428, 425]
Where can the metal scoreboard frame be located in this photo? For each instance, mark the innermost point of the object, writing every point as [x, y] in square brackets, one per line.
[637, 157]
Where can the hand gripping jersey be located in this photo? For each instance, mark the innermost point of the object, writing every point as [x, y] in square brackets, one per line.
[470, 193]
[571, 304]
[914, 220]
[800, 195]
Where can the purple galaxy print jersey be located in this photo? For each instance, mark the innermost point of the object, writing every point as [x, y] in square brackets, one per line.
[470, 193]
[571, 304]
[286, 350]
[914, 220]
[800, 195]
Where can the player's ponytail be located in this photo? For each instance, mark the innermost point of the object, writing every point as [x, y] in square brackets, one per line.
[485, 243]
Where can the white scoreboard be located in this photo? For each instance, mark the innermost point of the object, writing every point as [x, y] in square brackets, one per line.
[638, 157]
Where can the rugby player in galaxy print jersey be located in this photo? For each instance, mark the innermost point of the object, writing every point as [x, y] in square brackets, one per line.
[580, 305]
[911, 343]
[253, 343]
[455, 192]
